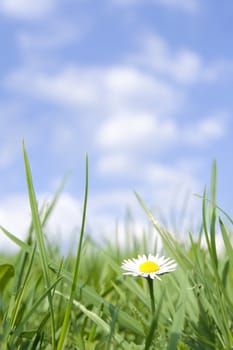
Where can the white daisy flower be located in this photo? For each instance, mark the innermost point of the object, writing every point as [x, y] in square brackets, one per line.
[148, 266]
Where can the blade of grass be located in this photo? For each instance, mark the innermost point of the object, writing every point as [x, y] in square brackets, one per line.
[40, 239]
[113, 334]
[227, 242]
[205, 227]
[65, 325]
[170, 243]
[34, 307]
[217, 207]
[213, 192]
[94, 317]
[19, 297]
[24, 246]
[212, 238]
[39, 333]
[54, 201]
[154, 325]
[179, 317]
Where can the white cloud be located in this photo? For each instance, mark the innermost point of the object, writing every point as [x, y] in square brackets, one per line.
[136, 90]
[205, 130]
[102, 89]
[13, 130]
[212, 127]
[115, 164]
[129, 157]
[124, 233]
[182, 65]
[133, 134]
[189, 6]
[116, 216]
[171, 188]
[8, 153]
[136, 132]
[55, 34]
[103, 224]
[62, 225]
[28, 9]
[118, 199]
[156, 181]
[71, 86]
[165, 176]
[220, 245]
[126, 131]
[15, 217]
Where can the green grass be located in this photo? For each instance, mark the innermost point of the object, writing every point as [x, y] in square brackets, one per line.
[83, 301]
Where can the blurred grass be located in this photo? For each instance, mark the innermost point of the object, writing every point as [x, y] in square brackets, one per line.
[48, 301]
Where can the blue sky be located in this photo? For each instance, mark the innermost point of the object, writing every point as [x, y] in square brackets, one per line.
[144, 87]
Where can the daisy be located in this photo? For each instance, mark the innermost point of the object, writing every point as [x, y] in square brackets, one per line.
[150, 266]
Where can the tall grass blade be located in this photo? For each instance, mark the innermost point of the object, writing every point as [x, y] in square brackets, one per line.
[213, 192]
[40, 238]
[7, 271]
[169, 241]
[212, 237]
[54, 201]
[24, 246]
[22, 290]
[35, 306]
[227, 242]
[153, 326]
[179, 318]
[94, 317]
[204, 221]
[65, 325]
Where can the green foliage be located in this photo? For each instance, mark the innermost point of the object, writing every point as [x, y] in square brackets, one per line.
[6, 272]
[84, 302]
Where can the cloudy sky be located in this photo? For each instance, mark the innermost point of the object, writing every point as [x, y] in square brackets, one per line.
[143, 86]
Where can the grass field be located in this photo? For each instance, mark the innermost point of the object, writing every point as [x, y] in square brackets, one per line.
[85, 302]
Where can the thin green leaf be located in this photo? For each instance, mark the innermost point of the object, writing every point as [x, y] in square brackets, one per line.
[94, 317]
[212, 238]
[39, 236]
[7, 271]
[154, 325]
[227, 241]
[65, 324]
[169, 241]
[17, 241]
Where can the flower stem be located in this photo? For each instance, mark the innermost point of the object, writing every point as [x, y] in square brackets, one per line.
[152, 297]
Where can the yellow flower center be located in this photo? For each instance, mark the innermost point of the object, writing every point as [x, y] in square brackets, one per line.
[148, 267]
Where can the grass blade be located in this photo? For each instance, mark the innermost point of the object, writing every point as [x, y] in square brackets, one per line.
[169, 242]
[37, 303]
[53, 202]
[65, 324]
[94, 317]
[24, 246]
[227, 242]
[153, 327]
[40, 238]
[19, 297]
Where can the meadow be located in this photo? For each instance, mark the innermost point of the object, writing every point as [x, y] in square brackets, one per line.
[83, 301]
